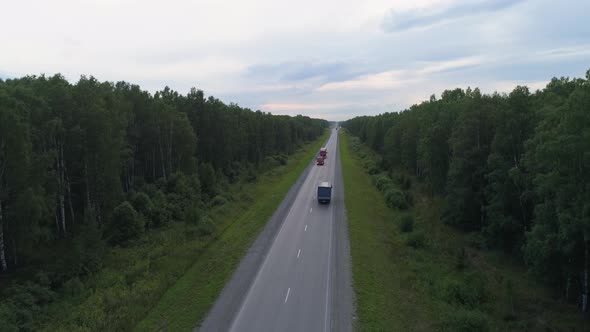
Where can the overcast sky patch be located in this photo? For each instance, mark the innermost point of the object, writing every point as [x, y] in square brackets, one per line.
[332, 58]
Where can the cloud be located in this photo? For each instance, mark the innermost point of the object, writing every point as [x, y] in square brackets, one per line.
[339, 60]
[396, 21]
[394, 79]
[381, 81]
[300, 71]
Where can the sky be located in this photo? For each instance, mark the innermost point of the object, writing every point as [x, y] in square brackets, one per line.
[332, 59]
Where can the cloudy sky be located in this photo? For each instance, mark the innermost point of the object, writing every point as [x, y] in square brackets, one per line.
[324, 58]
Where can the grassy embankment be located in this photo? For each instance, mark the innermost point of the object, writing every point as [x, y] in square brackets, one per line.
[433, 277]
[169, 279]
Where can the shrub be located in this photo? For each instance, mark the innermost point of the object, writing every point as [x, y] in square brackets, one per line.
[395, 199]
[466, 321]
[409, 198]
[382, 182]
[461, 258]
[218, 200]
[160, 214]
[372, 169]
[207, 178]
[125, 224]
[407, 223]
[269, 163]
[282, 159]
[192, 215]
[20, 305]
[405, 182]
[142, 203]
[416, 240]
[206, 226]
[469, 291]
[90, 249]
[73, 287]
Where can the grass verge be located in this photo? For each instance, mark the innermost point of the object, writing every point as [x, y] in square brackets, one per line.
[429, 276]
[187, 301]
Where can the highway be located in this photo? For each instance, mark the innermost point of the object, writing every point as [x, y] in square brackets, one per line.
[302, 281]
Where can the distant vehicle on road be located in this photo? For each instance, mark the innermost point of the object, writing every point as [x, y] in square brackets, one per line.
[324, 153]
[324, 192]
[319, 161]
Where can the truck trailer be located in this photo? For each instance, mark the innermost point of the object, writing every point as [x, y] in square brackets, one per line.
[324, 192]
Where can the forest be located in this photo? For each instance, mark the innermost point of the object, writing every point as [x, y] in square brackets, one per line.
[88, 166]
[513, 169]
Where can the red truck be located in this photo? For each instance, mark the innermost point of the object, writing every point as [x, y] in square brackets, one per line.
[324, 153]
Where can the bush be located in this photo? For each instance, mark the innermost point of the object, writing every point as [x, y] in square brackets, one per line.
[207, 178]
[395, 199]
[218, 200]
[269, 163]
[409, 198]
[466, 321]
[382, 182]
[461, 259]
[206, 226]
[73, 287]
[160, 214]
[20, 305]
[90, 249]
[469, 291]
[282, 159]
[193, 215]
[405, 182]
[142, 203]
[407, 224]
[416, 240]
[125, 224]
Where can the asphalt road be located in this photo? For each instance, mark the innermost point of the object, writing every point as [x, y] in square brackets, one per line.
[302, 279]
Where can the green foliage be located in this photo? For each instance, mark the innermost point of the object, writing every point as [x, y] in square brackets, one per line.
[160, 214]
[218, 200]
[382, 182]
[193, 215]
[22, 303]
[207, 178]
[404, 181]
[464, 320]
[206, 226]
[126, 224]
[406, 224]
[469, 291]
[395, 199]
[461, 259]
[71, 154]
[142, 203]
[401, 289]
[416, 240]
[73, 287]
[89, 249]
[513, 169]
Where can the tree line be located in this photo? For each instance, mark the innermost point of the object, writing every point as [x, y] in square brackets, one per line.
[88, 165]
[512, 168]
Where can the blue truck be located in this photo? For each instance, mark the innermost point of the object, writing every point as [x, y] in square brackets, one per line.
[324, 192]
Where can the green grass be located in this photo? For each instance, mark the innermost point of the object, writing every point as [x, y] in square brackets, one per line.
[169, 278]
[186, 303]
[383, 283]
[402, 288]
